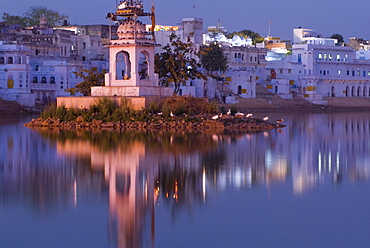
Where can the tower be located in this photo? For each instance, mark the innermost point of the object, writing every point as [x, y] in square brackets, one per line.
[131, 55]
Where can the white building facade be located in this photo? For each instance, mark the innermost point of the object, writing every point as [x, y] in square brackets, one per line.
[318, 69]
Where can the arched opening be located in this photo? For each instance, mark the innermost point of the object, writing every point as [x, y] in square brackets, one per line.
[347, 91]
[332, 91]
[10, 60]
[364, 91]
[358, 91]
[52, 80]
[143, 65]
[34, 80]
[353, 91]
[123, 66]
[239, 89]
[2, 60]
[43, 80]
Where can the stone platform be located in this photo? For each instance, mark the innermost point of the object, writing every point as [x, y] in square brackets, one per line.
[84, 102]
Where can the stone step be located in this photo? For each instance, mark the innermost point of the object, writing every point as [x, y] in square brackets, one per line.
[11, 107]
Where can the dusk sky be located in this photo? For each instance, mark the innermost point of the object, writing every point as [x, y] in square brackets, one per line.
[348, 18]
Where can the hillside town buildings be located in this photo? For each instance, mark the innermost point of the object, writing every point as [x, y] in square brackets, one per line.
[37, 64]
[317, 68]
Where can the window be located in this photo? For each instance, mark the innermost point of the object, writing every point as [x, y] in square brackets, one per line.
[299, 58]
[347, 73]
[83, 45]
[43, 80]
[289, 71]
[330, 57]
[325, 56]
[320, 56]
[339, 72]
[36, 68]
[10, 60]
[338, 57]
[34, 80]
[52, 80]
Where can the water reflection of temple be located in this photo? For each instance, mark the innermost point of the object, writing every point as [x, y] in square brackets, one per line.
[139, 171]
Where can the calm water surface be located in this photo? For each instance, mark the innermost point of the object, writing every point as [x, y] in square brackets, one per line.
[306, 185]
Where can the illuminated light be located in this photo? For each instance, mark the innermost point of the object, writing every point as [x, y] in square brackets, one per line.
[319, 163]
[329, 161]
[167, 195]
[204, 184]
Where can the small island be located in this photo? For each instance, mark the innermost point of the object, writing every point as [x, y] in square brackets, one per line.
[178, 113]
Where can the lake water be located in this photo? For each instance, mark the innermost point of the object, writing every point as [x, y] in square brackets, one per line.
[306, 185]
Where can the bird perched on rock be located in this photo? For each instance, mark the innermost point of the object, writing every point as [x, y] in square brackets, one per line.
[249, 115]
[280, 120]
[229, 112]
[266, 118]
[171, 114]
[239, 114]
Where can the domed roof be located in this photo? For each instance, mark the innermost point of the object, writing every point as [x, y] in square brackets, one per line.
[128, 27]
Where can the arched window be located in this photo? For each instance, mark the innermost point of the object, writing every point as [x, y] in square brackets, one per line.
[34, 80]
[347, 91]
[52, 80]
[332, 91]
[43, 80]
[36, 68]
[239, 89]
[143, 65]
[358, 91]
[364, 91]
[353, 91]
[10, 60]
[123, 66]
[2, 60]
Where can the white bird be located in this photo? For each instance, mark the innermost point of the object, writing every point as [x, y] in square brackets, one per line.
[265, 118]
[249, 115]
[280, 120]
[160, 113]
[239, 114]
[217, 116]
[171, 114]
[229, 112]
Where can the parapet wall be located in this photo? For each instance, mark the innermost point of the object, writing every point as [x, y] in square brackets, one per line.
[85, 102]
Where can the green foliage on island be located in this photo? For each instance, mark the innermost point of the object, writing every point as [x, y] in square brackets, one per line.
[109, 110]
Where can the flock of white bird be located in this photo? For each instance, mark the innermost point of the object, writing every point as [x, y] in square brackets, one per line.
[239, 114]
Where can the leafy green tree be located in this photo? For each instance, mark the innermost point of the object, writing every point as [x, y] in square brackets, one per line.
[35, 12]
[256, 37]
[338, 37]
[32, 17]
[175, 64]
[213, 58]
[14, 20]
[90, 78]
